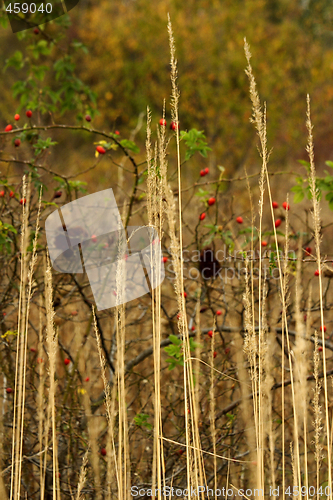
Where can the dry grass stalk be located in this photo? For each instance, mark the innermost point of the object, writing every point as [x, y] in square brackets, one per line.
[268, 382]
[317, 228]
[52, 348]
[195, 473]
[3, 492]
[21, 347]
[212, 408]
[40, 404]
[93, 431]
[292, 457]
[123, 446]
[250, 340]
[302, 363]
[82, 477]
[317, 423]
[286, 295]
[23, 317]
[155, 219]
[110, 413]
[259, 119]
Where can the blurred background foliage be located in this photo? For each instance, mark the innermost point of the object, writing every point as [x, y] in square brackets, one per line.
[124, 67]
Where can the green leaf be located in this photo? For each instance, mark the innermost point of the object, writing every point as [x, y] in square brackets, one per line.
[329, 163]
[16, 61]
[299, 180]
[209, 240]
[127, 144]
[49, 203]
[42, 144]
[305, 163]
[195, 140]
[9, 227]
[79, 45]
[299, 193]
[247, 230]
[172, 363]
[141, 420]
[193, 344]
[39, 71]
[329, 196]
[142, 177]
[40, 48]
[173, 350]
[298, 197]
[202, 193]
[175, 340]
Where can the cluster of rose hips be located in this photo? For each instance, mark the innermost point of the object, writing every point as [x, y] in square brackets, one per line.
[278, 222]
[308, 250]
[173, 125]
[285, 205]
[12, 195]
[9, 127]
[239, 220]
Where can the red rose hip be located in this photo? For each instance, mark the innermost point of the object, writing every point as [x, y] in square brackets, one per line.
[278, 222]
[211, 201]
[239, 220]
[100, 150]
[29, 113]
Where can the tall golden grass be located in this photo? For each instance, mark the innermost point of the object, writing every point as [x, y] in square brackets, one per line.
[280, 438]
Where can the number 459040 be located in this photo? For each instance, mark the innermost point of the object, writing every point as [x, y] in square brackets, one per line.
[31, 8]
